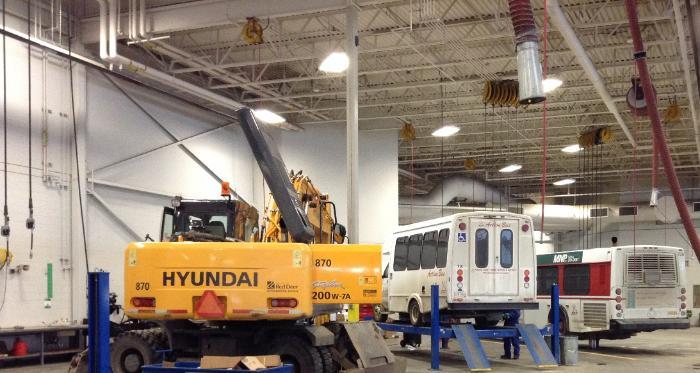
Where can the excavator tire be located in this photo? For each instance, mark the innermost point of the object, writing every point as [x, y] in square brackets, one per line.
[133, 349]
[329, 366]
[298, 352]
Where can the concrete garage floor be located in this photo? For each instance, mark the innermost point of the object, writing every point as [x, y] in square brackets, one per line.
[661, 351]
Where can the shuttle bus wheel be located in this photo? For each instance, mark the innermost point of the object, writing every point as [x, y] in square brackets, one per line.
[414, 314]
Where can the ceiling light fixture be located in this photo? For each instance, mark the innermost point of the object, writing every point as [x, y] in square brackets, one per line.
[510, 168]
[564, 182]
[575, 148]
[336, 62]
[268, 117]
[550, 84]
[445, 131]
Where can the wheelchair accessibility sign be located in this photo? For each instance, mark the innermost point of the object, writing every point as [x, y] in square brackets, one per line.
[462, 237]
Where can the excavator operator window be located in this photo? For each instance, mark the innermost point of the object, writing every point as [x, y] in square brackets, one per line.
[212, 224]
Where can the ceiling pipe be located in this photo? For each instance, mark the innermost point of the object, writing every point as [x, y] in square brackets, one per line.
[458, 187]
[686, 70]
[659, 137]
[108, 53]
[142, 20]
[562, 24]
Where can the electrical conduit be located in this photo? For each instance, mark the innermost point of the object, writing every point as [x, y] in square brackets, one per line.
[659, 138]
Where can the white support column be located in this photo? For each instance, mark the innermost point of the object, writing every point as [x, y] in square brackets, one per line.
[352, 42]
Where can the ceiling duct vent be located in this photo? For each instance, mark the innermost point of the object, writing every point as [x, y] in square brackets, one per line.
[515, 210]
[696, 206]
[599, 212]
[627, 211]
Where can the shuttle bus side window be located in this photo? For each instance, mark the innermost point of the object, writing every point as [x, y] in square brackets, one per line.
[546, 276]
[481, 253]
[443, 238]
[400, 254]
[429, 252]
[577, 279]
[414, 247]
[506, 248]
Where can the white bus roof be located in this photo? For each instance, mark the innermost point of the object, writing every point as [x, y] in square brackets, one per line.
[450, 218]
[596, 255]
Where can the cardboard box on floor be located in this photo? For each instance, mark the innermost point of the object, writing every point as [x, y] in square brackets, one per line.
[249, 362]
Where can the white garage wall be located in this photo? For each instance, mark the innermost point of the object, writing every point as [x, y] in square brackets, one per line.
[26, 291]
[320, 152]
[118, 129]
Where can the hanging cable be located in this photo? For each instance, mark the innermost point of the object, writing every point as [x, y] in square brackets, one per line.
[543, 190]
[75, 136]
[5, 230]
[30, 220]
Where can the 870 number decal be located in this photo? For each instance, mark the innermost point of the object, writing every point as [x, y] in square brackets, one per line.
[143, 286]
[323, 263]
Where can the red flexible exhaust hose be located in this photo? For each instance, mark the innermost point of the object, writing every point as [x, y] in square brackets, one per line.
[523, 19]
[659, 138]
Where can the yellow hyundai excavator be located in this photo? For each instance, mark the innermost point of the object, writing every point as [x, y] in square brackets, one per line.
[318, 207]
[204, 291]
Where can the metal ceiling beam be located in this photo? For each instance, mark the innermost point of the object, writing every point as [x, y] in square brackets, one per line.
[195, 15]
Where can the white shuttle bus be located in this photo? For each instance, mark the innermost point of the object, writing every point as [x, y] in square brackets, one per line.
[614, 292]
[484, 263]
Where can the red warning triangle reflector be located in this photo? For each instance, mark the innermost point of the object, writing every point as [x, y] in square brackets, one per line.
[209, 306]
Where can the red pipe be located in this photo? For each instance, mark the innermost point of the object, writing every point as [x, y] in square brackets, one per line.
[523, 21]
[659, 138]
[654, 164]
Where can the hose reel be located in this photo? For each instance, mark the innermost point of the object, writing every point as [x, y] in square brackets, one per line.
[595, 136]
[501, 93]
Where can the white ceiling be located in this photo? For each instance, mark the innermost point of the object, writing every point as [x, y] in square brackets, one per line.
[425, 61]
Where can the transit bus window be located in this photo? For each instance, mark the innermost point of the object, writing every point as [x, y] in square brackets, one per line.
[546, 277]
[414, 247]
[481, 254]
[429, 252]
[443, 238]
[577, 279]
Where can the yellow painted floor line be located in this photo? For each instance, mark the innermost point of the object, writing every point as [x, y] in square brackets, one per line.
[607, 355]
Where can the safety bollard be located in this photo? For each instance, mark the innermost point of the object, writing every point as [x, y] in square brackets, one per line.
[435, 327]
[555, 323]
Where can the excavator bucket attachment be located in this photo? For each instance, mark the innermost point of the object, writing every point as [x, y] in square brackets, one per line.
[360, 347]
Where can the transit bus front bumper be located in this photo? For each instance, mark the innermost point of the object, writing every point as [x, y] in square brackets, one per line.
[648, 325]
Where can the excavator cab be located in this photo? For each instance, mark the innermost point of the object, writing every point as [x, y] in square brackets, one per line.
[223, 220]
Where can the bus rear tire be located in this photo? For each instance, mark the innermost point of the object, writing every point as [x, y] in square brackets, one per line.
[414, 315]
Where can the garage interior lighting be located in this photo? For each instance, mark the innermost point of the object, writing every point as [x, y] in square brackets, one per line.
[268, 117]
[550, 84]
[445, 131]
[572, 149]
[564, 182]
[336, 62]
[511, 168]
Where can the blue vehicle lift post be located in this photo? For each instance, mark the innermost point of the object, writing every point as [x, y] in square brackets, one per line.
[98, 322]
[555, 323]
[469, 337]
